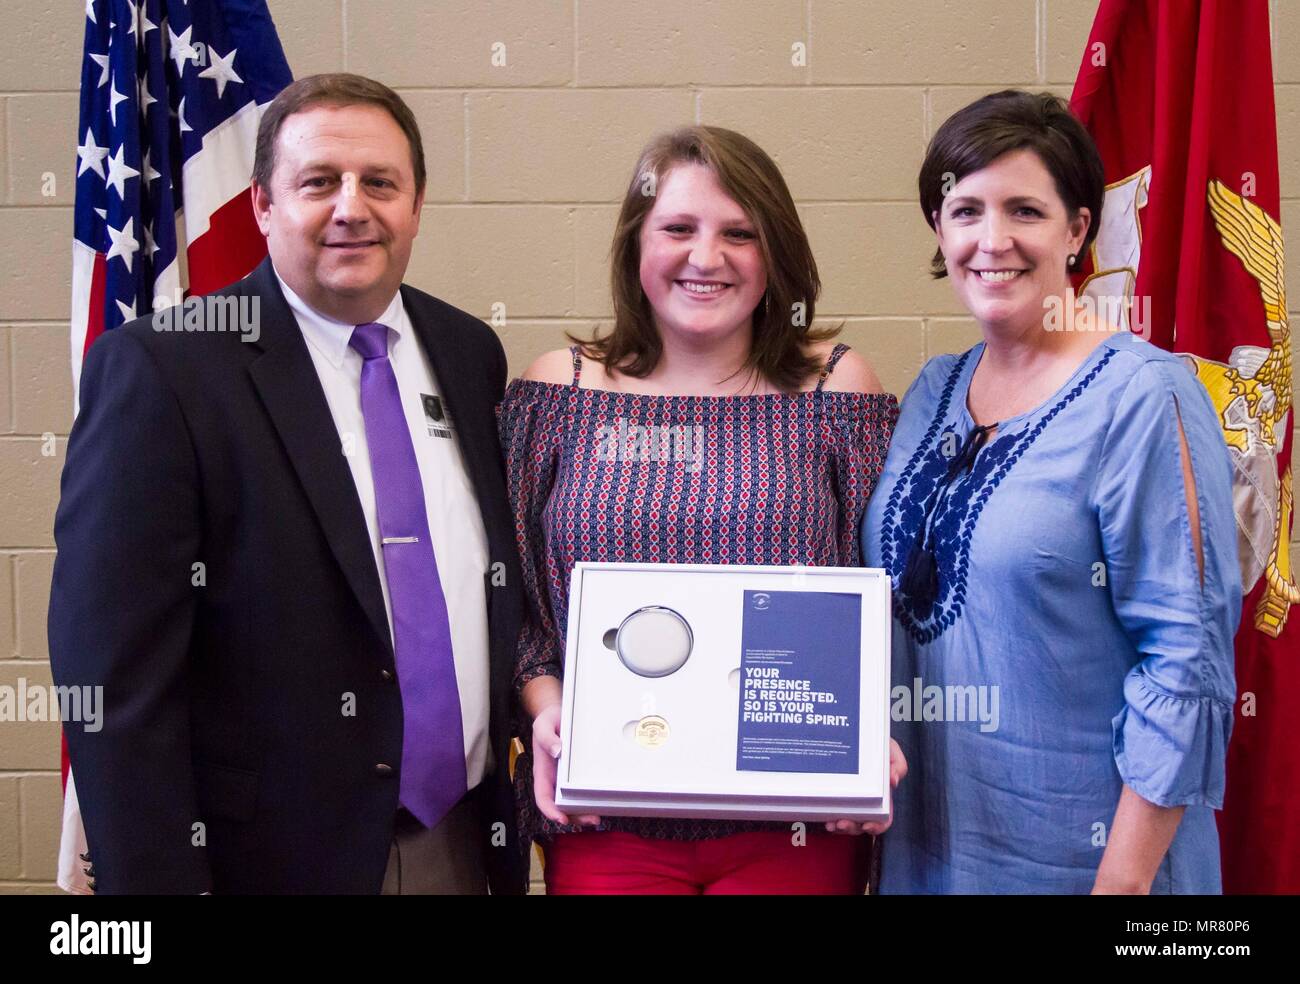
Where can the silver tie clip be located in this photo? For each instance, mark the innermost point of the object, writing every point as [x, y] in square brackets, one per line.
[401, 539]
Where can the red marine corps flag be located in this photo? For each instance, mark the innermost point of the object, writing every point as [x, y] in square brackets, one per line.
[1179, 97]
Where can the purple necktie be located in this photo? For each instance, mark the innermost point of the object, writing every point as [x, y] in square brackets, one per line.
[433, 738]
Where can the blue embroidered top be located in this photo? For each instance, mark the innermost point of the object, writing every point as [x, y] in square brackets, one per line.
[1072, 647]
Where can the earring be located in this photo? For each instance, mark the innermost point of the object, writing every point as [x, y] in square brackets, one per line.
[1071, 260]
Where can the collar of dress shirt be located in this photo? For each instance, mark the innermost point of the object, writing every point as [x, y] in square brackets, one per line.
[331, 337]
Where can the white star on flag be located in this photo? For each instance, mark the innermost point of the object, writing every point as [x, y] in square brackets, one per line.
[221, 70]
[92, 156]
[90, 11]
[128, 311]
[146, 97]
[119, 171]
[114, 97]
[124, 243]
[102, 62]
[146, 25]
[150, 246]
[182, 50]
[150, 175]
[180, 115]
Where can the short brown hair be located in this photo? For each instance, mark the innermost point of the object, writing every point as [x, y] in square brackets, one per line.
[752, 178]
[334, 89]
[977, 135]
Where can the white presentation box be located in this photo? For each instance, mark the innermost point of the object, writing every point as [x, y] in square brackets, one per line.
[733, 692]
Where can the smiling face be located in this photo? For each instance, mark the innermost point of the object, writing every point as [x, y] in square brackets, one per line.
[701, 265]
[343, 209]
[1005, 234]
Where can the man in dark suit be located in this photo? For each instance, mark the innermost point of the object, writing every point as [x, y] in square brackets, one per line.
[285, 552]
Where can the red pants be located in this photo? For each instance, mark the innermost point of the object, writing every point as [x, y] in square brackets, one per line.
[755, 863]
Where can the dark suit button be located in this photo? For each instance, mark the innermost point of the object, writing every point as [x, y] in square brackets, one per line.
[387, 675]
[383, 770]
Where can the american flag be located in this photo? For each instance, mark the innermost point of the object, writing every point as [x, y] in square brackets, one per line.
[171, 95]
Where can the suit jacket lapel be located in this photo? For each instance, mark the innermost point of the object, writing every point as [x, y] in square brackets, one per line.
[290, 389]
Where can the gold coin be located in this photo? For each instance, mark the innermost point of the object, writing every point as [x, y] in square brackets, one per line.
[651, 731]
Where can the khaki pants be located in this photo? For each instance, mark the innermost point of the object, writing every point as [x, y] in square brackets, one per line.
[444, 860]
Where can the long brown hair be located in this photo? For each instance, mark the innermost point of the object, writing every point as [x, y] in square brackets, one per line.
[782, 320]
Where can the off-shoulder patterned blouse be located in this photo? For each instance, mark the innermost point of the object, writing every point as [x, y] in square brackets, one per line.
[598, 475]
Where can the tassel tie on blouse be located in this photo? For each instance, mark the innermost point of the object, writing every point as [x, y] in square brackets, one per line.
[920, 579]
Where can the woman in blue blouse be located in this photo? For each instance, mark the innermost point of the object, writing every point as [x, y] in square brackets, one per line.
[1056, 515]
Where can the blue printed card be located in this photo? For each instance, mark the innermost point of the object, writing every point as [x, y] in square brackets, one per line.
[800, 669]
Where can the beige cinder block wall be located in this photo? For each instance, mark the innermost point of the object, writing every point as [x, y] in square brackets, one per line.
[527, 160]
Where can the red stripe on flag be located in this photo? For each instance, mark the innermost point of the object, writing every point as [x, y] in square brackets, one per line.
[229, 250]
[94, 324]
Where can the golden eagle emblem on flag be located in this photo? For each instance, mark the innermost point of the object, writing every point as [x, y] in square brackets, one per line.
[1252, 394]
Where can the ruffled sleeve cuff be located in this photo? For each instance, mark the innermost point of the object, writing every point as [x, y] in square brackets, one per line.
[1171, 750]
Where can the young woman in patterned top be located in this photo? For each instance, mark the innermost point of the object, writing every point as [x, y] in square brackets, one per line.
[714, 287]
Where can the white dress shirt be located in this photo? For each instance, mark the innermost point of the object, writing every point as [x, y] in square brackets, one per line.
[455, 523]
